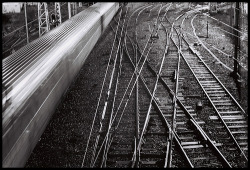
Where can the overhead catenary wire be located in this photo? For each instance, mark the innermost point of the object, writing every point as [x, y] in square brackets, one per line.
[230, 33]
[222, 22]
[23, 26]
[27, 24]
[240, 64]
[14, 31]
[229, 56]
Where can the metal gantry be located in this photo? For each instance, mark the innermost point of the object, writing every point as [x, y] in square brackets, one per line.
[58, 13]
[74, 10]
[43, 18]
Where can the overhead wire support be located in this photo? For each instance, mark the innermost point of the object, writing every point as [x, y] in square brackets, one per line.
[236, 51]
[237, 30]
[58, 13]
[74, 10]
[27, 29]
[43, 18]
[69, 9]
[236, 38]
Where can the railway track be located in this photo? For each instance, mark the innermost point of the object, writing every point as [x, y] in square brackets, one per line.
[122, 140]
[229, 116]
[191, 143]
[158, 129]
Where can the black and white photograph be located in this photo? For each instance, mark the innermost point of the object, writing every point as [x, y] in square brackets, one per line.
[125, 84]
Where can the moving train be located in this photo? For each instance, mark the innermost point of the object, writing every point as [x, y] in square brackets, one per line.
[35, 78]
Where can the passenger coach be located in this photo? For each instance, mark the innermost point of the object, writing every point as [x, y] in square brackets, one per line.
[36, 76]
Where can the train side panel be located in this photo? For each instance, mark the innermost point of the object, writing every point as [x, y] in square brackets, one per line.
[22, 135]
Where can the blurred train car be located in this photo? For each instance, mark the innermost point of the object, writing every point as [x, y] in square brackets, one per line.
[35, 78]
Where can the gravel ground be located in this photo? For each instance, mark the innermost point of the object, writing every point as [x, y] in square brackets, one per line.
[64, 140]
[223, 42]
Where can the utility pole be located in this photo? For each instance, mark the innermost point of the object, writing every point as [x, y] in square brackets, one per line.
[26, 23]
[236, 33]
[236, 49]
[207, 28]
[69, 9]
[231, 19]
[74, 8]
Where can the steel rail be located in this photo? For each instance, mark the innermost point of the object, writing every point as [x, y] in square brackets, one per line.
[126, 101]
[175, 135]
[169, 88]
[136, 155]
[225, 125]
[175, 109]
[136, 92]
[104, 158]
[206, 47]
[212, 47]
[150, 103]
[10, 40]
[219, 81]
[107, 99]
[154, 102]
[134, 159]
[172, 94]
[130, 91]
[202, 133]
[106, 136]
[229, 56]
[202, 43]
[147, 121]
[123, 31]
[139, 70]
[209, 69]
[222, 23]
[161, 114]
[104, 79]
[108, 93]
[224, 65]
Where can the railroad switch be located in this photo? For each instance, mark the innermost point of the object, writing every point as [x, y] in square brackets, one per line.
[94, 85]
[155, 36]
[197, 44]
[111, 62]
[203, 142]
[199, 106]
[174, 76]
